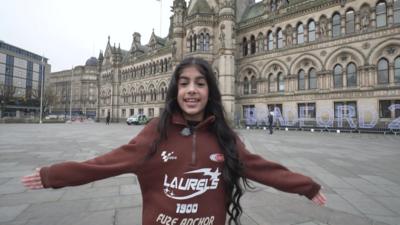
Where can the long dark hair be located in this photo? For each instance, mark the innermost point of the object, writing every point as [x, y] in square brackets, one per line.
[232, 170]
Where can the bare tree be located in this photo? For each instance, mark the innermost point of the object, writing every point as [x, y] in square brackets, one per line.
[6, 96]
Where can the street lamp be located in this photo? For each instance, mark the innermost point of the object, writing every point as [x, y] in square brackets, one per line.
[70, 100]
[41, 90]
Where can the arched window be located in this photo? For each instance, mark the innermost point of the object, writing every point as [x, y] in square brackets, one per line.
[338, 76]
[350, 22]
[281, 82]
[162, 66]
[279, 38]
[246, 86]
[381, 14]
[396, 11]
[270, 85]
[194, 42]
[201, 42]
[383, 71]
[191, 44]
[165, 65]
[270, 40]
[351, 75]
[301, 80]
[207, 43]
[397, 70]
[312, 79]
[300, 34]
[252, 44]
[336, 25]
[245, 46]
[253, 83]
[311, 31]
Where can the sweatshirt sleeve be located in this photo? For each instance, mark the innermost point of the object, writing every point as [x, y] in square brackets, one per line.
[275, 175]
[127, 158]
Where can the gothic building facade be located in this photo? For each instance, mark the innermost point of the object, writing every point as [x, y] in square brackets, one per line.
[319, 62]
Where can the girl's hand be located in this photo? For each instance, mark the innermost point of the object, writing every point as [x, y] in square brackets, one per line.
[33, 181]
[319, 199]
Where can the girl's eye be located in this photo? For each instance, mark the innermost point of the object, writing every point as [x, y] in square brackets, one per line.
[201, 84]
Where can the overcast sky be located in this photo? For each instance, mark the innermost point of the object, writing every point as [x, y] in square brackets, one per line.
[68, 32]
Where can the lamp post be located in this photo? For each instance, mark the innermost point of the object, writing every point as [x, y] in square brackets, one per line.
[70, 100]
[41, 90]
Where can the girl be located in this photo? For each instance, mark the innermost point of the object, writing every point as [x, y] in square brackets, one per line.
[189, 162]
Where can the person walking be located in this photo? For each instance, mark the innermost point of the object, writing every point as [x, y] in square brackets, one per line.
[270, 121]
[108, 118]
[190, 164]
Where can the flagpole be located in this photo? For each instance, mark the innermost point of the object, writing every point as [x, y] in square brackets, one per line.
[41, 90]
[160, 17]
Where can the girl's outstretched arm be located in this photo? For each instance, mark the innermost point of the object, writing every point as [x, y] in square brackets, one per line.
[33, 181]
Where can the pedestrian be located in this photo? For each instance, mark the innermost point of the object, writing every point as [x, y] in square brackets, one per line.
[108, 118]
[190, 164]
[270, 121]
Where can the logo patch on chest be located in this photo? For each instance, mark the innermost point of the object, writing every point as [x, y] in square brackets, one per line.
[217, 157]
[168, 156]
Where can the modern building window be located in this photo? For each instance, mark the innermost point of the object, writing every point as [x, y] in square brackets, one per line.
[338, 76]
[271, 40]
[336, 29]
[311, 31]
[270, 85]
[351, 75]
[312, 79]
[246, 86]
[381, 14]
[279, 38]
[350, 16]
[281, 82]
[397, 70]
[344, 106]
[306, 110]
[253, 83]
[383, 71]
[252, 44]
[301, 80]
[396, 11]
[245, 47]
[300, 34]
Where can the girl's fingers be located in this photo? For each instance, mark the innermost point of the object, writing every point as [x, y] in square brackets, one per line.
[33, 181]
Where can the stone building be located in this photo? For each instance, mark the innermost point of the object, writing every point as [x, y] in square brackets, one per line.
[313, 62]
[82, 99]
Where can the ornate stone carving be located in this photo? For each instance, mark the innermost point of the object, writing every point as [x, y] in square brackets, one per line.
[323, 53]
[365, 20]
[391, 50]
[323, 27]
[288, 59]
[366, 45]
[222, 36]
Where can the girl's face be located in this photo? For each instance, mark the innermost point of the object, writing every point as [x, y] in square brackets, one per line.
[192, 93]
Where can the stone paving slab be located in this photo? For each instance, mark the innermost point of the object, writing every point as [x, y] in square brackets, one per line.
[359, 173]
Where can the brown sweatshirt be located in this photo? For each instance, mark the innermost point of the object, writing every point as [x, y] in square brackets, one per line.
[182, 183]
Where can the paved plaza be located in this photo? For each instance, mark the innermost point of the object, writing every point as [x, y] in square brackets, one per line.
[359, 173]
